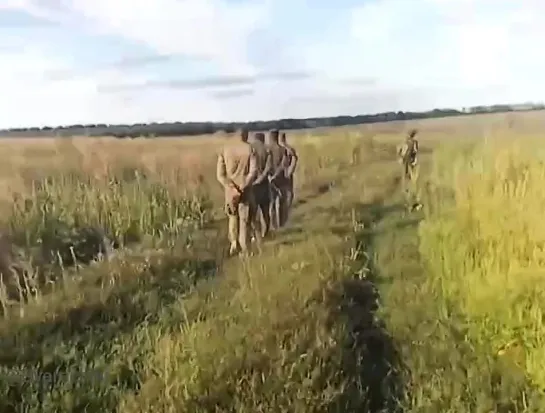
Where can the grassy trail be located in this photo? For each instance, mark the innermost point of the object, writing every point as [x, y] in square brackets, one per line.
[147, 333]
[443, 366]
[292, 329]
[425, 358]
[337, 314]
[325, 249]
[355, 306]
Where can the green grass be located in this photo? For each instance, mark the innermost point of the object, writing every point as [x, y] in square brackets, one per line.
[356, 306]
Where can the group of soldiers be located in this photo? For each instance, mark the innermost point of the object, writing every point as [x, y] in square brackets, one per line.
[257, 177]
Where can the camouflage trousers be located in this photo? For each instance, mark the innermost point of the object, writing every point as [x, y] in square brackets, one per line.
[289, 192]
[410, 178]
[241, 213]
[262, 219]
[279, 204]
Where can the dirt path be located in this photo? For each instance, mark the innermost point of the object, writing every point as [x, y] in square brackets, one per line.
[345, 220]
[411, 349]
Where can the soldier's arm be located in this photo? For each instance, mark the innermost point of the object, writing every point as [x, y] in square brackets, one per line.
[252, 170]
[267, 170]
[281, 166]
[221, 170]
[293, 164]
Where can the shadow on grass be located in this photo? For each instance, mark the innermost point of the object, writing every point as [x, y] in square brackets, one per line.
[314, 191]
[289, 236]
[105, 339]
[371, 361]
[291, 230]
[126, 306]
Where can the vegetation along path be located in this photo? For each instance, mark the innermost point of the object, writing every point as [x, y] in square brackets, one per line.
[342, 311]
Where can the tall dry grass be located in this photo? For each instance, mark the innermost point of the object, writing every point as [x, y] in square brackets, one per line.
[153, 329]
[62, 200]
[484, 244]
[169, 325]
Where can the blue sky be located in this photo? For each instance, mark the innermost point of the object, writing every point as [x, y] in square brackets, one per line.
[124, 61]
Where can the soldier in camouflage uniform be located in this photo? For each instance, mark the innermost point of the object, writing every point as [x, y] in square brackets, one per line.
[408, 157]
[290, 169]
[277, 179]
[261, 186]
[236, 171]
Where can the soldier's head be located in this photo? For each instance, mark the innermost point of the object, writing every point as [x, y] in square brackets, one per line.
[243, 134]
[260, 136]
[412, 133]
[283, 137]
[273, 136]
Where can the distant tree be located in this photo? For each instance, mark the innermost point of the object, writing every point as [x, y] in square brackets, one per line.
[201, 128]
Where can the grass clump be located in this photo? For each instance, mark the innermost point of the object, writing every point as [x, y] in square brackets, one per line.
[72, 219]
[292, 338]
[82, 348]
[483, 247]
[127, 211]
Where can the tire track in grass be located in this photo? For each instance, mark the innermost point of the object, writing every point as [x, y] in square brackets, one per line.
[444, 370]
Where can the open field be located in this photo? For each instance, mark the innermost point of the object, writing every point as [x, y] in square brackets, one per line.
[356, 306]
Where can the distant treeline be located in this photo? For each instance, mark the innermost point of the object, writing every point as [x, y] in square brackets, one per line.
[202, 128]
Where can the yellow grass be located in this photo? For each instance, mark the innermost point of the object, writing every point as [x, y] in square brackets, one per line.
[486, 249]
[169, 324]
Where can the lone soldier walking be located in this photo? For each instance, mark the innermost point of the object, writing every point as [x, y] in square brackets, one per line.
[236, 171]
[408, 157]
[261, 186]
[278, 180]
[290, 169]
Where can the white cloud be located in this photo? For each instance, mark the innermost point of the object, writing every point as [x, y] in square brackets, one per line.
[28, 99]
[213, 29]
[50, 11]
[446, 42]
[407, 55]
[448, 52]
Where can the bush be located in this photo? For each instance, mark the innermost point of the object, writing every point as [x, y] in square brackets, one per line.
[126, 211]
